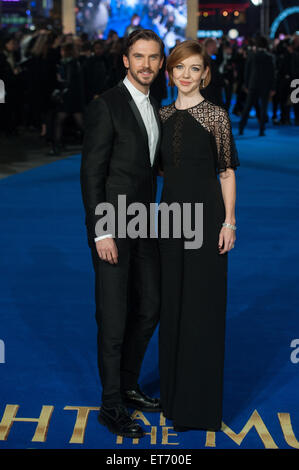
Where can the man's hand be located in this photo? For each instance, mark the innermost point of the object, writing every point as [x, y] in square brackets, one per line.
[107, 250]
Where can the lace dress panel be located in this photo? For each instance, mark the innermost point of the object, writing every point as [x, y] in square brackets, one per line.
[216, 121]
[166, 112]
[177, 138]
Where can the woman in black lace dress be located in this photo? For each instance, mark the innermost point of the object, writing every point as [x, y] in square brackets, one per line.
[197, 147]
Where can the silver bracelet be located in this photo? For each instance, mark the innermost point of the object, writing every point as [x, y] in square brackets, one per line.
[233, 227]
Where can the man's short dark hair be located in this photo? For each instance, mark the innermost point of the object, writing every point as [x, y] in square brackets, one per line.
[99, 42]
[147, 35]
[262, 42]
[209, 41]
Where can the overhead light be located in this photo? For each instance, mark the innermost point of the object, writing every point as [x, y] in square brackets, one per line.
[225, 13]
[233, 33]
[256, 3]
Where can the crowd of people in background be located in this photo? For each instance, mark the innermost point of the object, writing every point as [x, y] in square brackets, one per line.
[256, 72]
[50, 78]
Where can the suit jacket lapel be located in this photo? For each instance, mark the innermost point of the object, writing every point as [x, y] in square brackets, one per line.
[139, 119]
[135, 110]
[155, 108]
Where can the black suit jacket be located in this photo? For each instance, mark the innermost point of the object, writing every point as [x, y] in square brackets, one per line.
[115, 154]
[213, 92]
[260, 71]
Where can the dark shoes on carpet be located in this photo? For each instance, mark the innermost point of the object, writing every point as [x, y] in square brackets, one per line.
[54, 153]
[118, 420]
[241, 132]
[56, 150]
[140, 401]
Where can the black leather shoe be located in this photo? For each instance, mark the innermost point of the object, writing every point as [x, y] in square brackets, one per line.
[140, 401]
[119, 421]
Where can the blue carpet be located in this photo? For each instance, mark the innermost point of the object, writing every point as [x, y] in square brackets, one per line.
[48, 327]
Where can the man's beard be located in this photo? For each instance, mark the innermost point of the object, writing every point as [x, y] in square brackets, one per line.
[138, 77]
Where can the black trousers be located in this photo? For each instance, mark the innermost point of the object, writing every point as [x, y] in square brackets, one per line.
[127, 312]
[255, 97]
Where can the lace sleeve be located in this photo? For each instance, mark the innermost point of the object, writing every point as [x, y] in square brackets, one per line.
[227, 154]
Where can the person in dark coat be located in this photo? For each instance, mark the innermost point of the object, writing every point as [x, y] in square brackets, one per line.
[227, 70]
[95, 72]
[240, 60]
[41, 80]
[11, 75]
[213, 92]
[114, 62]
[70, 96]
[278, 51]
[284, 82]
[259, 82]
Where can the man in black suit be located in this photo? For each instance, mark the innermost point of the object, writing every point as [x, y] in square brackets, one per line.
[120, 157]
[213, 92]
[259, 83]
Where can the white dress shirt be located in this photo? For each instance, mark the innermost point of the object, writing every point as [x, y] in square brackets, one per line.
[145, 108]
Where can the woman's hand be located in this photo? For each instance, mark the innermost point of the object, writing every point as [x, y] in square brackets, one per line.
[227, 238]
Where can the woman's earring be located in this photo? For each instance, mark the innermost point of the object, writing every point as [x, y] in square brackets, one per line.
[203, 83]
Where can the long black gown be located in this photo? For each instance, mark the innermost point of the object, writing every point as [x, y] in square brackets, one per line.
[197, 144]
